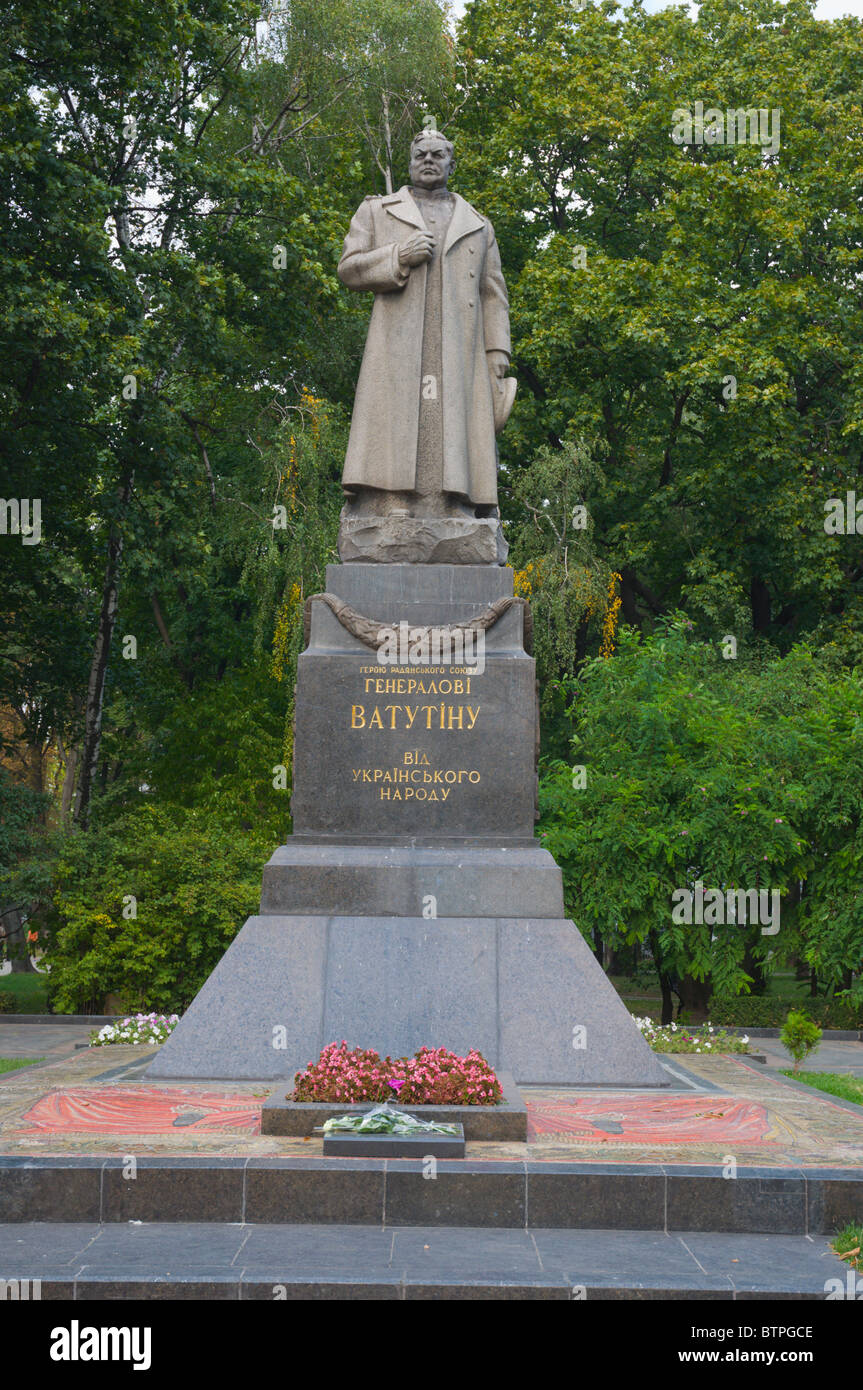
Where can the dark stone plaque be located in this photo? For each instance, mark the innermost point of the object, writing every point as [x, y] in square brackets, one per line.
[390, 748]
[416, 1146]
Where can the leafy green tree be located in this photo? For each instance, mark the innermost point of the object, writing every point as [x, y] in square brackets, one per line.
[693, 308]
[557, 569]
[690, 767]
[199, 274]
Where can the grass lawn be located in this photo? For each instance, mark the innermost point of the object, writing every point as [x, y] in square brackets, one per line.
[836, 1084]
[30, 992]
[13, 1063]
[850, 1239]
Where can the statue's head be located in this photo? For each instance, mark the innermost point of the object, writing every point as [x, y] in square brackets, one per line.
[432, 160]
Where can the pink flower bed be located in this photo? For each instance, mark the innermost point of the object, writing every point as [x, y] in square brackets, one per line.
[433, 1077]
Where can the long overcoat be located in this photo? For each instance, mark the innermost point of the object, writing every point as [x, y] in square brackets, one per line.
[382, 450]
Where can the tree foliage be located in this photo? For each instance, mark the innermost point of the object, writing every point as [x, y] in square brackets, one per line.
[177, 367]
[741, 773]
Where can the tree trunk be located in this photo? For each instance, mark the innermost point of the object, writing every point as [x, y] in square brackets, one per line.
[388, 144]
[71, 765]
[14, 938]
[759, 599]
[99, 664]
[664, 979]
[695, 998]
[619, 960]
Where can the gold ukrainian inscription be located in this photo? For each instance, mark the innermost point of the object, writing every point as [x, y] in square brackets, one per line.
[415, 779]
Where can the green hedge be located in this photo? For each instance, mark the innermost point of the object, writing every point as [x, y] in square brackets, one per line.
[754, 1011]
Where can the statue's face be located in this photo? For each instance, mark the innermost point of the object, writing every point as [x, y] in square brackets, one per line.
[431, 162]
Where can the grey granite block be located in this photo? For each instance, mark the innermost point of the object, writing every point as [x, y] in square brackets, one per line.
[163, 1248]
[172, 1190]
[634, 1259]
[752, 1262]
[543, 1289]
[336, 1252]
[398, 983]
[36, 1249]
[707, 1201]
[561, 1020]
[607, 1293]
[459, 1195]
[55, 1288]
[605, 1199]
[513, 989]
[259, 1015]
[323, 1192]
[427, 541]
[373, 880]
[395, 586]
[834, 1198]
[64, 1189]
[412, 1146]
[433, 1253]
[412, 906]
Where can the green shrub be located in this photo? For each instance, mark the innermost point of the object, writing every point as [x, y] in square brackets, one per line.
[753, 1011]
[799, 1036]
[8, 1003]
[193, 884]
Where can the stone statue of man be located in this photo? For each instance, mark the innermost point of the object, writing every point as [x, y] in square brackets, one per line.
[421, 468]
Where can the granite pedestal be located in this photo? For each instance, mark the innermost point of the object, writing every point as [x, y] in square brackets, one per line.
[412, 905]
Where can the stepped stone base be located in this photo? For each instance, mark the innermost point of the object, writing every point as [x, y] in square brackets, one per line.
[412, 906]
[358, 880]
[527, 992]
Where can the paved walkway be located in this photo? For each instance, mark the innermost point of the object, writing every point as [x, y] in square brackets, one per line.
[844, 1057]
[96, 1102]
[50, 1040]
[299, 1261]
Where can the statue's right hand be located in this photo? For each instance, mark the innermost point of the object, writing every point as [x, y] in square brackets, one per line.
[416, 249]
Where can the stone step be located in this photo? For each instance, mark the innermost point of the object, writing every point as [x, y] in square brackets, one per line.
[276, 1262]
[400, 1192]
[308, 877]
